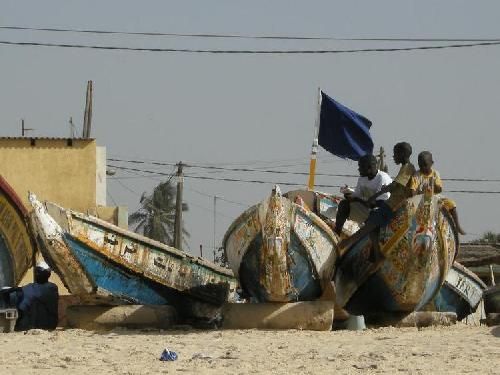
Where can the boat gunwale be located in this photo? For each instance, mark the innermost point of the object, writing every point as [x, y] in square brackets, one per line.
[144, 240]
[141, 273]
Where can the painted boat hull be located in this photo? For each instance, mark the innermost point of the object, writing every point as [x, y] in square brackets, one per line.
[94, 257]
[492, 300]
[281, 251]
[418, 248]
[16, 245]
[461, 292]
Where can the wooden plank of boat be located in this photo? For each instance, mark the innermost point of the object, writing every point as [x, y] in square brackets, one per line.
[308, 315]
[281, 251]
[16, 244]
[492, 299]
[90, 254]
[418, 248]
[461, 292]
[477, 255]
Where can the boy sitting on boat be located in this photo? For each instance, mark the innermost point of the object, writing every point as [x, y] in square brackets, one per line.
[355, 206]
[399, 190]
[427, 179]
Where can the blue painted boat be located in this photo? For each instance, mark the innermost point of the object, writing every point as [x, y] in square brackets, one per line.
[418, 249]
[16, 245]
[94, 257]
[461, 292]
[280, 250]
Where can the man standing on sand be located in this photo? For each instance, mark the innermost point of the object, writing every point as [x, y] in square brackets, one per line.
[355, 206]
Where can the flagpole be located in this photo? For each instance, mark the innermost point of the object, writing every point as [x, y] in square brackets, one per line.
[314, 150]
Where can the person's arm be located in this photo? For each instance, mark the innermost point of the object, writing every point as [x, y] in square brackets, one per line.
[414, 185]
[356, 195]
[438, 184]
[387, 186]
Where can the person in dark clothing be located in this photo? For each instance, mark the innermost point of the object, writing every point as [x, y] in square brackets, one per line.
[38, 303]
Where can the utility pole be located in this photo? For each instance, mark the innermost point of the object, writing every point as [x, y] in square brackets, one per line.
[381, 161]
[23, 129]
[87, 115]
[215, 225]
[178, 208]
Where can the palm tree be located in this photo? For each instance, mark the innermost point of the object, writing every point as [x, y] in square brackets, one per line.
[156, 216]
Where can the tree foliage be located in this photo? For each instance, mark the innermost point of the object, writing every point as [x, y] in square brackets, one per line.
[155, 218]
[488, 238]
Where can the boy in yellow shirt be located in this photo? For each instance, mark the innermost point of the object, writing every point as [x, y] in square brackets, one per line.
[428, 179]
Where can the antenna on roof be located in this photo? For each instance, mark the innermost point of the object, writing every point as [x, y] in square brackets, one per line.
[23, 129]
[72, 128]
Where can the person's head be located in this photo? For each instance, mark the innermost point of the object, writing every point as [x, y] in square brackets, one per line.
[425, 162]
[402, 152]
[42, 273]
[367, 166]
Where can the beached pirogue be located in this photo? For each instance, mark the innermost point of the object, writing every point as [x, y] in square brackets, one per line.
[283, 250]
[418, 249]
[16, 246]
[461, 292]
[94, 257]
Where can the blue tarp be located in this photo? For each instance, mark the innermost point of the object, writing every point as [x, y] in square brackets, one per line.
[342, 131]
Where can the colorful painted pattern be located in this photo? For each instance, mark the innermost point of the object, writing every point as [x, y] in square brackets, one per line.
[281, 250]
[418, 248]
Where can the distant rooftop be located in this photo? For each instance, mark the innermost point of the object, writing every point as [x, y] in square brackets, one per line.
[50, 138]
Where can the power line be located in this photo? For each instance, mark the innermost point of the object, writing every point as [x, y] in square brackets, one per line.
[282, 183]
[218, 197]
[246, 52]
[243, 36]
[283, 172]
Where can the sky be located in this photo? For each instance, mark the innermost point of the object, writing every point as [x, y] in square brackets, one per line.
[258, 111]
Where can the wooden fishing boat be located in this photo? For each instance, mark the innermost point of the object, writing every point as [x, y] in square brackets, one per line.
[418, 248]
[492, 299]
[16, 245]
[94, 257]
[461, 292]
[280, 250]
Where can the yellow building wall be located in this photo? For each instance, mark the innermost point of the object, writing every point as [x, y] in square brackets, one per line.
[52, 169]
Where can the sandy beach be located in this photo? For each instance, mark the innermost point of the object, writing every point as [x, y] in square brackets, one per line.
[458, 349]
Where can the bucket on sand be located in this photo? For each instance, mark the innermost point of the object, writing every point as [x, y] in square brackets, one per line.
[8, 318]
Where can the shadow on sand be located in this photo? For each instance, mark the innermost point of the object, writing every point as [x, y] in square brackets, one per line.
[496, 331]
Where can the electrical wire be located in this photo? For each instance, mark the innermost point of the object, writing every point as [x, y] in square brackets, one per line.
[243, 36]
[246, 52]
[282, 172]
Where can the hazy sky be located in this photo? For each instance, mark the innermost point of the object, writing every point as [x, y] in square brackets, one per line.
[258, 111]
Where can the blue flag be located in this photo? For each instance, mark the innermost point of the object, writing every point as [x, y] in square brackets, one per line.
[342, 131]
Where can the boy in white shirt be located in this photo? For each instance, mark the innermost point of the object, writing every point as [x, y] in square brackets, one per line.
[355, 206]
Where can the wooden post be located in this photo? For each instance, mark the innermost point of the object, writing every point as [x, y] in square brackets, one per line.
[178, 209]
[87, 115]
[201, 250]
[215, 225]
[314, 149]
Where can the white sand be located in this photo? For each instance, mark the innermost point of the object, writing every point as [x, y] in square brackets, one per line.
[458, 349]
